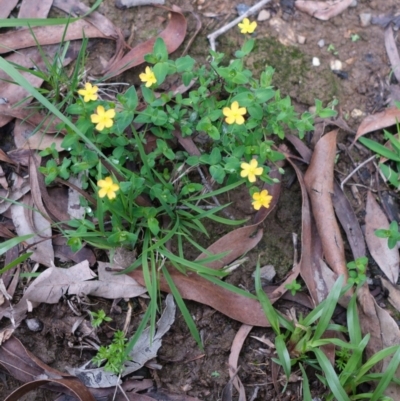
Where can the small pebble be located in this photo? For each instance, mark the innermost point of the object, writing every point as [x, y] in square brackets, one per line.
[301, 39]
[336, 65]
[267, 272]
[356, 113]
[264, 15]
[321, 43]
[353, 3]
[312, 109]
[316, 62]
[242, 8]
[34, 324]
[365, 19]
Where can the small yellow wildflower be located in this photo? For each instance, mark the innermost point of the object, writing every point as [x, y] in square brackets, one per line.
[107, 188]
[89, 93]
[234, 114]
[246, 26]
[103, 118]
[250, 170]
[261, 199]
[148, 77]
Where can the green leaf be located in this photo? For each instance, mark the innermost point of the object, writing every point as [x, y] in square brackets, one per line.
[217, 173]
[131, 98]
[331, 376]
[7, 245]
[283, 354]
[152, 222]
[160, 50]
[185, 63]
[380, 149]
[160, 71]
[16, 262]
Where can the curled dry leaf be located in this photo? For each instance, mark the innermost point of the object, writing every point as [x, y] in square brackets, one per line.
[25, 137]
[394, 292]
[25, 367]
[387, 259]
[392, 52]
[323, 10]
[41, 228]
[173, 35]
[319, 184]
[378, 121]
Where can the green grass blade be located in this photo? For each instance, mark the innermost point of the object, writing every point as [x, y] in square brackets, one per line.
[182, 306]
[6, 245]
[228, 286]
[283, 354]
[387, 377]
[331, 376]
[306, 385]
[379, 149]
[375, 359]
[269, 310]
[329, 308]
[353, 321]
[16, 262]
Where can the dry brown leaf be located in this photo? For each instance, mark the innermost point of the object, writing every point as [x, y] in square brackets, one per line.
[394, 292]
[30, 9]
[43, 249]
[196, 288]
[392, 52]
[237, 345]
[173, 35]
[319, 183]
[25, 137]
[323, 10]
[25, 367]
[47, 35]
[6, 6]
[378, 121]
[387, 259]
[13, 194]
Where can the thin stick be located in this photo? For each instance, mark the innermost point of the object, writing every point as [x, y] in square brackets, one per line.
[355, 170]
[212, 36]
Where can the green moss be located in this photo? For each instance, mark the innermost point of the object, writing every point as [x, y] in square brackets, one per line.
[294, 74]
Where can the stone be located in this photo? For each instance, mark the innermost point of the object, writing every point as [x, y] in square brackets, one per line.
[365, 19]
[264, 15]
[316, 62]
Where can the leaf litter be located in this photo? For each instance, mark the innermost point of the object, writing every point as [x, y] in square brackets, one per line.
[329, 245]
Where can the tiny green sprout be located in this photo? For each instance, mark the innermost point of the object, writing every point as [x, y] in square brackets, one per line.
[355, 37]
[99, 317]
[293, 287]
[342, 357]
[215, 374]
[331, 49]
[357, 270]
[392, 234]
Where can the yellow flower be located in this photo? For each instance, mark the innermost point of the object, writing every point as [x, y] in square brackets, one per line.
[261, 199]
[107, 188]
[103, 118]
[148, 77]
[246, 26]
[89, 93]
[234, 114]
[251, 170]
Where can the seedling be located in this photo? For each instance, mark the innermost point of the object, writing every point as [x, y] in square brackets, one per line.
[293, 287]
[355, 37]
[357, 271]
[392, 234]
[99, 318]
[331, 49]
